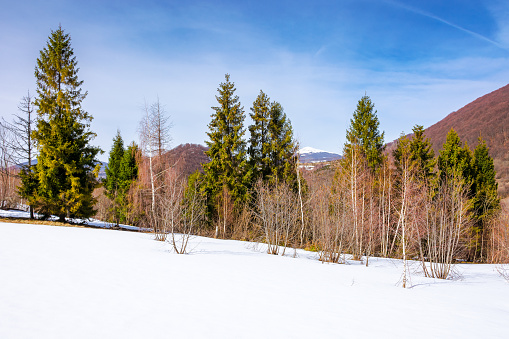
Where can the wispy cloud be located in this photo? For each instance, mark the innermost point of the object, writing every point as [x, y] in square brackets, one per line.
[446, 22]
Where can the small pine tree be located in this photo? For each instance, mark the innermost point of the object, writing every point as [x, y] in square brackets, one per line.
[228, 166]
[66, 161]
[364, 132]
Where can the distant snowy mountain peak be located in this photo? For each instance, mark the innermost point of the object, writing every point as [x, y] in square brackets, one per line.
[307, 150]
[312, 155]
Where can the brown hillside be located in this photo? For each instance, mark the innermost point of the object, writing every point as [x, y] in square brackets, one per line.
[187, 157]
[487, 116]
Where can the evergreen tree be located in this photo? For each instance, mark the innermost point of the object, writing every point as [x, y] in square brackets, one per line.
[283, 147]
[259, 143]
[272, 148]
[66, 160]
[113, 168]
[228, 166]
[364, 132]
[455, 160]
[484, 185]
[422, 153]
[485, 196]
[128, 167]
[111, 183]
[127, 175]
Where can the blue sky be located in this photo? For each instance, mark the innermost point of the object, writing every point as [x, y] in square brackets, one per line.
[417, 60]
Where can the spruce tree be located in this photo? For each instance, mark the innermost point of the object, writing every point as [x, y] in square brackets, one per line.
[111, 183]
[228, 166]
[259, 143]
[127, 175]
[66, 159]
[485, 197]
[364, 132]
[455, 160]
[128, 167]
[283, 147]
[272, 148]
[422, 153]
[113, 168]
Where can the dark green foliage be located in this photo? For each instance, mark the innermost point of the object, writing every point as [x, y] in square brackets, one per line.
[111, 183]
[283, 146]
[422, 153]
[364, 132]
[272, 148]
[260, 143]
[454, 159]
[66, 160]
[127, 175]
[485, 197]
[29, 183]
[228, 166]
[128, 168]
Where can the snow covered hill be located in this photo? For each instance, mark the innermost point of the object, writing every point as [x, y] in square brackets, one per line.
[313, 155]
[66, 282]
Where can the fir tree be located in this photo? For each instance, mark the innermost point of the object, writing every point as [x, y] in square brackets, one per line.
[111, 183]
[66, 160]
[259, 143]
[455, 160]
[422, 153]
[364, 132]
[283, 147]
[228, 167]
[272, 148]
[128, 167]
[485, 196]
[113, 168]
[128, 173]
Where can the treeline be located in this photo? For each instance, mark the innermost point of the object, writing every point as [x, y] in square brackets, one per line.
[408, 203]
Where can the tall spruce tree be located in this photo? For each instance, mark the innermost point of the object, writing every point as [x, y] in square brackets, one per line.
[259, 144]
[128, 173]
[485, 197]
[455, 160]
[272, 148]
[111, 183]
[283, 146]
[128, 167]
[422, 153]
[364, 132]
[228, 166]
[66, 161]
[113, 168]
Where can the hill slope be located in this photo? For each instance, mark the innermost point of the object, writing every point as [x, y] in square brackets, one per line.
[487, 116]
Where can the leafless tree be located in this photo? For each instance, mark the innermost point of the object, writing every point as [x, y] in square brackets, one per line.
[154, 139]
[18, 147]
[448, 219]
[277, 216]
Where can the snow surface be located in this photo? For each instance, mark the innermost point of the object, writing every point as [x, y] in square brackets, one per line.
[67, 282]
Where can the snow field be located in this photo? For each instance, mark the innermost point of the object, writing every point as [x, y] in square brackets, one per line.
[65, 282]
